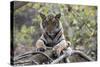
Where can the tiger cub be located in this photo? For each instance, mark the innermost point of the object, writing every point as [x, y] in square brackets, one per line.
[52, 34]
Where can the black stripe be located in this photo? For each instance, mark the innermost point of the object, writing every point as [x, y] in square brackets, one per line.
[59, 37]
[43, 40]
[54, 35]
[60, 40]
[58, 32]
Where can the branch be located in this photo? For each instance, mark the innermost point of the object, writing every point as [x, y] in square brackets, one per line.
[37, 56]
[59, 59]
[66, 55]
[31, 53]
[29, 62]
[83, 55]
[41, 57]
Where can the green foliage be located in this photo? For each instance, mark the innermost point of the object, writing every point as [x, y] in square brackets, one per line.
[24, 36]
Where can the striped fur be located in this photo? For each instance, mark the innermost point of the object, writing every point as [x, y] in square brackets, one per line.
[52, 33]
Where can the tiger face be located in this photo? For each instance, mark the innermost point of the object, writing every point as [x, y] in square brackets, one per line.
[50, 23]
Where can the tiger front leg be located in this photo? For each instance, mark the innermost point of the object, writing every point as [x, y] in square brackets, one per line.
[40, 46]
[58, 49]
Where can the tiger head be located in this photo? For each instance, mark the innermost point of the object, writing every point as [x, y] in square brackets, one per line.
[50, 23]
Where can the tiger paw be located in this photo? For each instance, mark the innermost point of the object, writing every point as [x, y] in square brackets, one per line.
[57, 51]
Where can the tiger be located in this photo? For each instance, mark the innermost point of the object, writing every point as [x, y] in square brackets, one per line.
[52, 34]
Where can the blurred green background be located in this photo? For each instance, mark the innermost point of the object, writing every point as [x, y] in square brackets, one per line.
[79, 23]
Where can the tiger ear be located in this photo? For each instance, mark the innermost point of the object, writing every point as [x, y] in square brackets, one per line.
[58, 16]
[42, 16]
